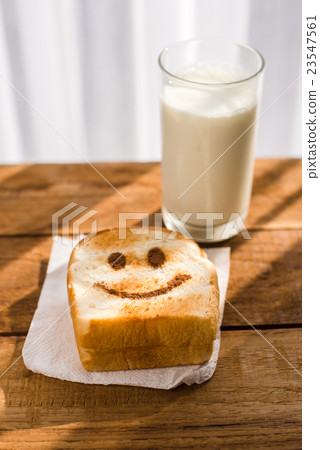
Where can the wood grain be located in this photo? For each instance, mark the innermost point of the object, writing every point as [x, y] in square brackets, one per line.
[277, 195]
[265, 282]
[253, 400]
[30, 194]
[265, 279]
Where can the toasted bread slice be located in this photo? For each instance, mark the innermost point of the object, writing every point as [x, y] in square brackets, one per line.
[142, 302]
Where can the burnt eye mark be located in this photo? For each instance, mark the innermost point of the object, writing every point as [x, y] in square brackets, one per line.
[117, 260]
[156, 257]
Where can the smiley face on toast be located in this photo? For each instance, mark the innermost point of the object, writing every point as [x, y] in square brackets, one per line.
[142, 301]
[156, 259]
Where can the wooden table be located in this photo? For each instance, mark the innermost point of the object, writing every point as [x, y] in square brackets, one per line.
[253, 399]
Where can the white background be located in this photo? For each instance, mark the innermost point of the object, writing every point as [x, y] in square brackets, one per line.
[90, 68]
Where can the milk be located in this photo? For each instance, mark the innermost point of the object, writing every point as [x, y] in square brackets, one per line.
[199, 124]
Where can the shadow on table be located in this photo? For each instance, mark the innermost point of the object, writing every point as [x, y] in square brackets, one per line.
[269, 215]
[20, 312]
[41, 190]
[273, 296]
[35, 401]
[39, 400]
[37, 191]
[269, 177]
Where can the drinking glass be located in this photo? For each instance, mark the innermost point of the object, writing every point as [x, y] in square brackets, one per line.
[210, 96]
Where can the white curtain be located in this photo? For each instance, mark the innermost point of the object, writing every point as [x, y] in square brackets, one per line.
[80, 77]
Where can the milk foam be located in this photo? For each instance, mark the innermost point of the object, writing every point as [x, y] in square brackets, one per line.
[210, 99]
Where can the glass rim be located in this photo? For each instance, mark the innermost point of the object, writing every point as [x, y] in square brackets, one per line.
[202, 83]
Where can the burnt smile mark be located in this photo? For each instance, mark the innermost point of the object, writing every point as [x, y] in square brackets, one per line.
[175, 282]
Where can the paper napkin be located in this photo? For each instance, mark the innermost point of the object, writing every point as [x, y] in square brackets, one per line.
[50, 347]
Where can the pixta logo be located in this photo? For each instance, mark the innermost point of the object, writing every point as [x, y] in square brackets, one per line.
[63, 219]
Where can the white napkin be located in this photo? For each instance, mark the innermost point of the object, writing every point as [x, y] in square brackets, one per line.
[50, 347]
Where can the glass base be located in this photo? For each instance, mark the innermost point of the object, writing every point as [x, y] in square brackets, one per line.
[203, 234]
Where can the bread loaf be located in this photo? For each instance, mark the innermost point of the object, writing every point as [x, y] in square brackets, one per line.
[142, 302]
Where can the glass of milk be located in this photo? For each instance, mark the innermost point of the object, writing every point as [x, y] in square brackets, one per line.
[210, 95]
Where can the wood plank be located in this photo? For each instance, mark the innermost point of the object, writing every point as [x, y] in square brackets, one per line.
[23, 265]
[277, 195]
[265, 280]
[30, 194]
[253, 400]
